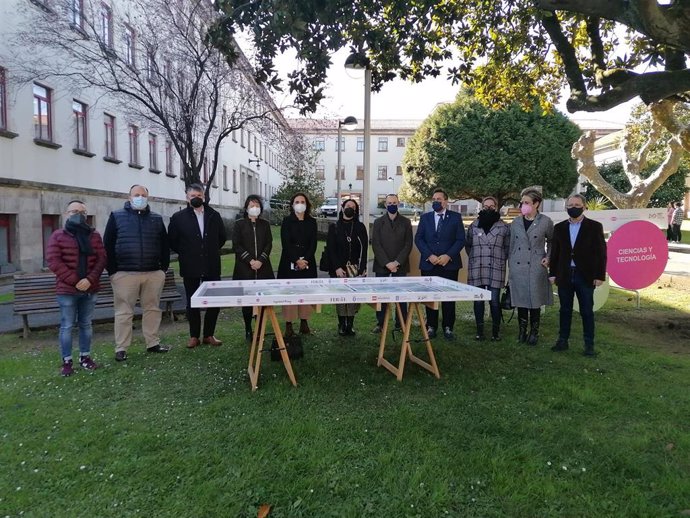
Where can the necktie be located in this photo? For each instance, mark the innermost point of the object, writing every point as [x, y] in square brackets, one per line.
[439, 224]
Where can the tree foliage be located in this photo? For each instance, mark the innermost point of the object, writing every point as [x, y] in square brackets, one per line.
[506, 50]
[474, 151]
[673, 188]
[171, 80]
[300, 160]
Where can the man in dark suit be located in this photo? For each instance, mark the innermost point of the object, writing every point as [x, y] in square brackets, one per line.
[440, 238]
[197, 233]
[577, 265]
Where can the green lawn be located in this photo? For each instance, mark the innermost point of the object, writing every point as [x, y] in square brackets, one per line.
[508, 431]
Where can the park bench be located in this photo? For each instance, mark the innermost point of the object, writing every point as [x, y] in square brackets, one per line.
[35, 293]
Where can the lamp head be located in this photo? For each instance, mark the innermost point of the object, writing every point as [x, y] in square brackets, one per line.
[349, 123]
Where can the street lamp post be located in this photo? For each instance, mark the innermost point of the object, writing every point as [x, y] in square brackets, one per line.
[360, 62]
[349, 124]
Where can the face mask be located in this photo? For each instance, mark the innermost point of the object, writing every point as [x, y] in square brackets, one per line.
[349, 212]
[487, 217]
[77, 219]
[254, 212]
[299, 208]
[525, 209]
[437, 206]
[139, 202]
[196, 202]
[392, 209]
[575, 212]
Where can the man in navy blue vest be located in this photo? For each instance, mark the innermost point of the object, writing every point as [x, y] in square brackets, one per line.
[440, 238]
[138, 257]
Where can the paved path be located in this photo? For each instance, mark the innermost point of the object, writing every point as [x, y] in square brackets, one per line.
[678, 264]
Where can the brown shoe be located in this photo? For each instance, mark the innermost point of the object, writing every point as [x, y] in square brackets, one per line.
[212, 340]
[289, 332]
[304, 328]
[193, 342]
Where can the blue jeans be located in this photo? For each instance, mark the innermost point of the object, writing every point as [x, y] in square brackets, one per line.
[585, 298]
[77, 308]
[403, 305]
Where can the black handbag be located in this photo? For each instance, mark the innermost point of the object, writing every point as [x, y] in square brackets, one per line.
[506, 303]
[293, 344]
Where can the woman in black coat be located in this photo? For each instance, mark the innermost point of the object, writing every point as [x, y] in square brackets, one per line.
[252, 241]
[298, 236]
[348, 245]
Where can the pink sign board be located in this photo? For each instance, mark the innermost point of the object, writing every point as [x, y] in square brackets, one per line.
[637, 255]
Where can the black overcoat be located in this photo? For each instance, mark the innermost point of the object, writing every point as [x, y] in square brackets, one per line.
[199, 256]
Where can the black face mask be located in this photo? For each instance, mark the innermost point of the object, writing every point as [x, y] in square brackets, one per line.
[575, 212]
[487, 217]
[349, 212]
[196, 202]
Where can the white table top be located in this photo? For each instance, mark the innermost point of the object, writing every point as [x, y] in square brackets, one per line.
[283, 292]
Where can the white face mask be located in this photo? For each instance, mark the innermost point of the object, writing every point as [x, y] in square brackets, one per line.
[254, 212]
[299, 208]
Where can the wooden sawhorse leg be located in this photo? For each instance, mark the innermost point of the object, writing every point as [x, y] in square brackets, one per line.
[264, 314]
[405, 348]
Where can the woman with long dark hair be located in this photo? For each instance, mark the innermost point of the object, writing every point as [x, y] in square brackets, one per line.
[348, 245]
[298, 235]
[252, 241]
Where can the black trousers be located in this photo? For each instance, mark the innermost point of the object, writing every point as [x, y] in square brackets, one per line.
[191, 284]
[448, 308]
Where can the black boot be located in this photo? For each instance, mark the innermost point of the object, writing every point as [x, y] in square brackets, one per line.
[533, 330]
[350, 324]
[495, 327]
[342, 326]
[289, 332]
[480, 331]
[522, 330]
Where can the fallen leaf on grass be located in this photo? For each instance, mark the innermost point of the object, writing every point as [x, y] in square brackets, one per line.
[264, 510]
[670, 446]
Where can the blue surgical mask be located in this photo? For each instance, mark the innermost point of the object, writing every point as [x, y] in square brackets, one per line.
[139, 202]
[392, 209]
[437, 206]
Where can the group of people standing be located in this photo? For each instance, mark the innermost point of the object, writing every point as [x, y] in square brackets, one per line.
[135, 250]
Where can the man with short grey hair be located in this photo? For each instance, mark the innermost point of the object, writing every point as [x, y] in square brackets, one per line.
[138, 257]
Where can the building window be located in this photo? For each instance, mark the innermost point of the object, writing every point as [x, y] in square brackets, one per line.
[3, 99]
[214, 181]
[109, 126]
[169, 158]
[130, 46]
[225, 178]
[133, 145]
[106, 26]
[342, 172]
[151, 66]
[76, 9]
[241, 138]
[234, 180]
[153, 152]
[320, 171]
[234, 135]
[79, 110]
[383, 172]
[342, 144]
[383, 143]
[255, 147]
[249, 141]
[43, 124]
[49, 224]
[168, 73]
[398, 170]
[360, 172]
[5, 241]
[205, 168]
[381, 200]
[400, 142]
[320, 144]
[360, 144]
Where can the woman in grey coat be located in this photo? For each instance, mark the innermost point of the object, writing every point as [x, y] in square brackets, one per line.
[530, 243]
[487, 244]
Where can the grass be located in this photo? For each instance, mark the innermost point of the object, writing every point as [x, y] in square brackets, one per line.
[507, 431]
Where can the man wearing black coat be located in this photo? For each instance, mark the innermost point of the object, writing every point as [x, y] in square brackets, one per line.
[578, 266]
[197, 234]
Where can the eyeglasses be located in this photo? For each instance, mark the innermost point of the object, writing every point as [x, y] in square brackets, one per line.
[73, 212]
[491, 207]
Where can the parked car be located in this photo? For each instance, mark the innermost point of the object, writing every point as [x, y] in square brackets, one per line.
[407, 209]
[329, 209]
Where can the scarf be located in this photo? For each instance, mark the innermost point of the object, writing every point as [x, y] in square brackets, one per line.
[82, 233]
